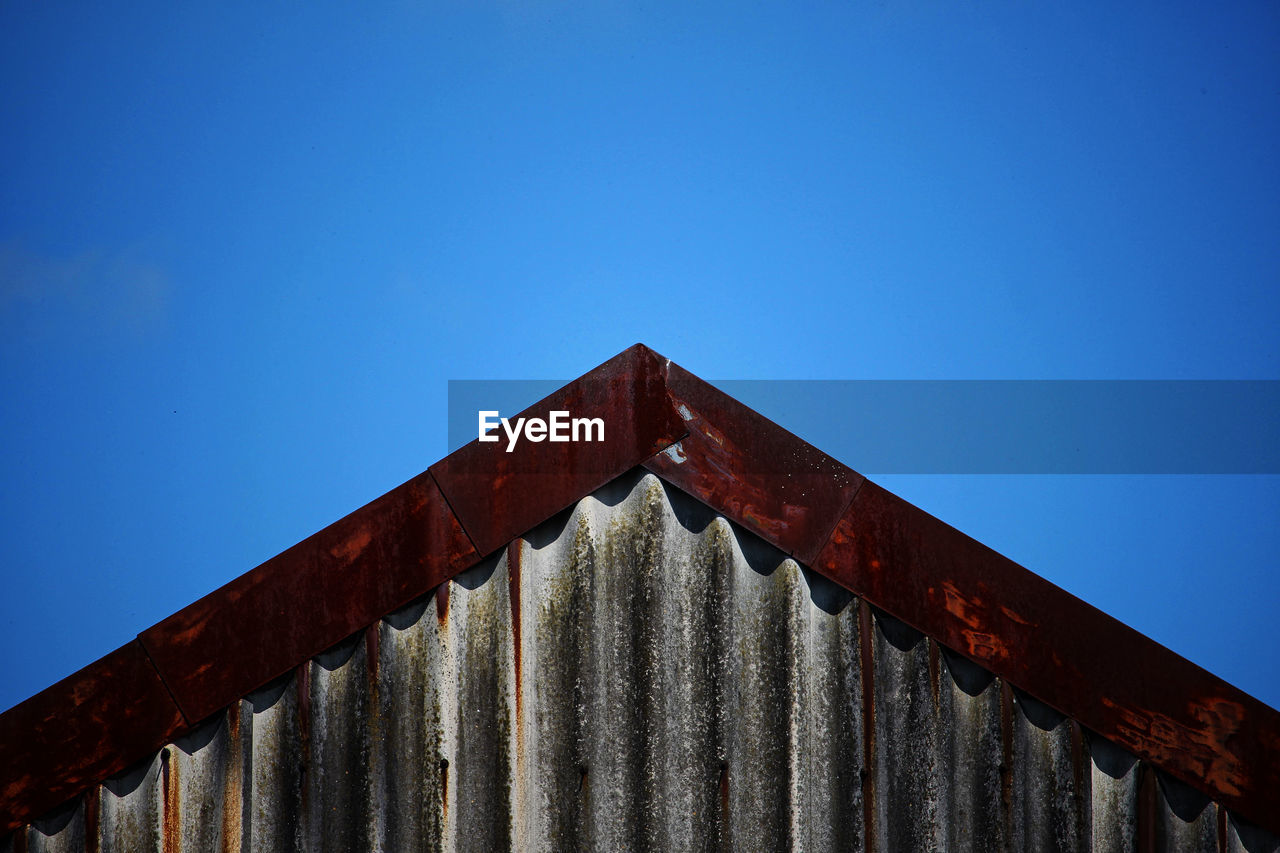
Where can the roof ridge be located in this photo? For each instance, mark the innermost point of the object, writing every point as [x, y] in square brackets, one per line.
[404, 544]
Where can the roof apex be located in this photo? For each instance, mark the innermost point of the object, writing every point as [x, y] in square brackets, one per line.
[419, 535]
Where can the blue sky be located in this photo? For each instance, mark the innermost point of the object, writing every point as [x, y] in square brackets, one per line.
[243, 249]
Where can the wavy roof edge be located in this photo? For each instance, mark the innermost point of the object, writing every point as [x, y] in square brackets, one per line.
[1040, 638]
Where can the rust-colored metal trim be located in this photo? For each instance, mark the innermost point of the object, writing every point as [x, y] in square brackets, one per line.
[299, 603]
[88, 726]
[1061, 650]
[499, 495]
[776, 485]
[416, 537]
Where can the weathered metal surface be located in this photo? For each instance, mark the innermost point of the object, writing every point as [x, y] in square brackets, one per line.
[636, 674]
[79, 731]
[1113, 783]
[498, 495]
[390, 551]
[1049, 784]
[1072, 656]
[779, 487]
[634, 741]
[936, 750]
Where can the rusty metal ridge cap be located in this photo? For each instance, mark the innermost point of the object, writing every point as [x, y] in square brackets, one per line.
[497, 493]
[757, 473]
[672, 423]
[85, 728]
[1063, 651]
[473, 502]
[317, 592]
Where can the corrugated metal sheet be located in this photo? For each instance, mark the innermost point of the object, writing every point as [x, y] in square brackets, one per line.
[403, 545]
[638, 674]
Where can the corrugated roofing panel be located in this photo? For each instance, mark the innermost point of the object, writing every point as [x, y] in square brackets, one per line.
[1071, 655]
[390, 551]
[637, 674]
[498, 494]
[48, 753]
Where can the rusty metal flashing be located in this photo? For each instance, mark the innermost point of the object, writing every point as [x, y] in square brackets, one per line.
[498, 495]
[88, 726]
[296, 604]
[1032, 634]
[1066, 653]
[741, 463]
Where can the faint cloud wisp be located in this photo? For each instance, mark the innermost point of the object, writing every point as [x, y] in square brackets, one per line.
[93, 293]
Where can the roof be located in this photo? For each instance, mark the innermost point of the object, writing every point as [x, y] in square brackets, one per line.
[638, 673]
[468, 507]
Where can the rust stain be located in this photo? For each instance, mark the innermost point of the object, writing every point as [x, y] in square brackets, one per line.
[353, 546]
[18, 786]
[514, 555]
[1222, 716]
[1202, 749]
[1147, 804]
[1270, 739]
[203, 668]
[232, 793]
[717, 436]
[442, 603]
[762, 521]
[985, 647]
[513, 581]
[755, 472]
[92, 841]
[171, 824]
[420, 497]
[1013, 616]
[961, 606]
[189, 634]
[1078, 761]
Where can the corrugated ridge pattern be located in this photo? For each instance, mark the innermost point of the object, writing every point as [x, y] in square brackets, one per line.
[637, 674]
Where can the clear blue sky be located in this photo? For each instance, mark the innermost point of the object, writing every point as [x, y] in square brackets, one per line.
[242, 250]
